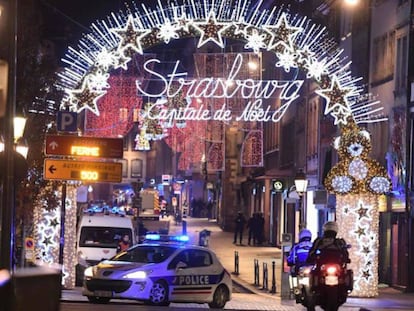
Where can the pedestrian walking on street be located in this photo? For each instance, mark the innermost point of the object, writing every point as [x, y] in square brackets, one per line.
[251, 225]
[240, 222]
[260, 228]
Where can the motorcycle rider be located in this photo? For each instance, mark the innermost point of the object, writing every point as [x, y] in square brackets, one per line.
[332, 248]
[299, 253]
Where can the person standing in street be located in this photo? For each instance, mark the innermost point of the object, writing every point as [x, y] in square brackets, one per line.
[240, 222]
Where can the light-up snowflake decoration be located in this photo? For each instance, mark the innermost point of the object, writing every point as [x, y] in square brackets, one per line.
[168, 32]
[287, 60]
[255, 41]
[295, 40]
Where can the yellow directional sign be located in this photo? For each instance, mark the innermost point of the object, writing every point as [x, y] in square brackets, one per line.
[82, 170]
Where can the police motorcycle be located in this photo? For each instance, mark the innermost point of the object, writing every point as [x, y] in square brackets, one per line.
[300, 269]
[327, 283]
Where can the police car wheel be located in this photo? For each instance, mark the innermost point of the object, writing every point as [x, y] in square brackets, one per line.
[221, 296]
[159, 294]
[100, 300]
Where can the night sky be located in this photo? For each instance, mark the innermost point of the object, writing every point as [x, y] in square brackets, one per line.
[64, 18]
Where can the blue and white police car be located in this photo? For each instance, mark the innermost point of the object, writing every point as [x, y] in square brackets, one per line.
[159, 273]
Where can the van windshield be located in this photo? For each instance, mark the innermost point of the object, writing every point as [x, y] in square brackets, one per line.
[103, 237]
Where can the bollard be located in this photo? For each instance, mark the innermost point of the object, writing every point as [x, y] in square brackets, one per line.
[256, 272]
[273, 290]
[236, 262]
[184, 223]
[265, 277]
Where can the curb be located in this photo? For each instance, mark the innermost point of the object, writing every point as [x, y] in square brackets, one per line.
[251, 289]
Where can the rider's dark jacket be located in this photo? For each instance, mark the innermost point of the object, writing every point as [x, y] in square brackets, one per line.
[329, 248]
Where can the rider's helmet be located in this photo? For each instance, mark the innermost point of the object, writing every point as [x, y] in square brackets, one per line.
[305, 234]
[330, 226]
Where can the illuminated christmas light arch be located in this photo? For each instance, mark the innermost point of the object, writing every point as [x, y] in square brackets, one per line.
[296, 41]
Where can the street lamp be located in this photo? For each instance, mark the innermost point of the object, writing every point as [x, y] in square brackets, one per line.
[301, 184]
[20, 147]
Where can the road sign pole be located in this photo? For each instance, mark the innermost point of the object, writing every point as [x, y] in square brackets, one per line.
[62, 222]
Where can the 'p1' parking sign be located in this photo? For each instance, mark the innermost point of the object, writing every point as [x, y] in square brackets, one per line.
[67, 121]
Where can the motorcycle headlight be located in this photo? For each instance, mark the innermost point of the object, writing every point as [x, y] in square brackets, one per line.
[88, 272]
[136, 275]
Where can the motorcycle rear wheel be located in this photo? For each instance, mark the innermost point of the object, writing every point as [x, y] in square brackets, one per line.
[332, 299]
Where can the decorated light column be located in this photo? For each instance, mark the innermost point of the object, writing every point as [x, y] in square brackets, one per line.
[358, 181]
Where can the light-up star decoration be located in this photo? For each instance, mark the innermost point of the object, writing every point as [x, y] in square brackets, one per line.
[131, 36]
[211, 30]
[362, 212]
[336, 98]
[341, 115]
[282, 34]
[84, 98]
[360, 231]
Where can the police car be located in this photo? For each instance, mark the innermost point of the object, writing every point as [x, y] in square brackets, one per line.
[159, 273]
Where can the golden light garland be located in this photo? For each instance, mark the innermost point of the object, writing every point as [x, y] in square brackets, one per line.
[69, 253]
[358, 220]
[358, 181]
[47, 228]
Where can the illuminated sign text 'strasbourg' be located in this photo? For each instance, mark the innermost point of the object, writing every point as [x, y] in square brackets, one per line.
[253, 91]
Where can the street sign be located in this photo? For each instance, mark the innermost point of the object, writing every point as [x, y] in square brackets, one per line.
[84, 146]
[67, 121]
[277, 185]
[29, 243]
[55, 169]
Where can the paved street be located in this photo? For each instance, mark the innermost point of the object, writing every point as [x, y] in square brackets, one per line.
[247, 296]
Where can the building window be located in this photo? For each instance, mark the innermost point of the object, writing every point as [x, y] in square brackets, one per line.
[136, 168]
[383, 58]
[287, 144]
[124, 168]
[402, 63]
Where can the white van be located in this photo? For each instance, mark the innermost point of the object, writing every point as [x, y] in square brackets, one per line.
[98, 238]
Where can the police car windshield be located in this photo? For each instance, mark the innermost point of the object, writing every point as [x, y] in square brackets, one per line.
[146, 254]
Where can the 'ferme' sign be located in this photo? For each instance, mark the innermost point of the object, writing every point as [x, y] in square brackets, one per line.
[254, 91]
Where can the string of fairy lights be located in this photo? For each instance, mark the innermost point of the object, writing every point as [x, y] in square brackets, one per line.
[297, 42]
